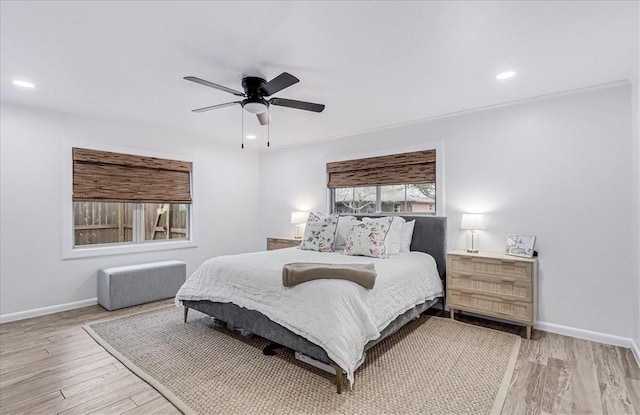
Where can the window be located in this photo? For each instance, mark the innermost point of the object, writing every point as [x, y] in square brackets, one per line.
[404, 198]
[126, 199]
[399, 183]
[108, 223]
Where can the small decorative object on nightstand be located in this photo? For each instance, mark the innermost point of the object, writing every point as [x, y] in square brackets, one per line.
[493, 284]
[520, 245]
[282, 242]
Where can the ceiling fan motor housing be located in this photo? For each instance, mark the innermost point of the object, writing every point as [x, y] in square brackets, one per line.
[254, 103]
[252, 85]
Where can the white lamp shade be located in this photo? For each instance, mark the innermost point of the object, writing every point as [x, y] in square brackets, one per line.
[472, 221]
[255, 107]
[299, 217]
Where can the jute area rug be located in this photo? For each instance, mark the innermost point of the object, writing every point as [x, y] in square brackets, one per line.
[431, 366]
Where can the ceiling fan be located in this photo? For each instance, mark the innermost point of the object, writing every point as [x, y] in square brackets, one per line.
[255, 89]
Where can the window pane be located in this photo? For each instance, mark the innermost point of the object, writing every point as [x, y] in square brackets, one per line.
[165, 221]
[102, 222]
[421, 198]
[355, 200]
[341, 198]
[392, 198]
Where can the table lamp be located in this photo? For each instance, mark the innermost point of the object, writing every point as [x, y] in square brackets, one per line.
[472, 222]
[298, 219]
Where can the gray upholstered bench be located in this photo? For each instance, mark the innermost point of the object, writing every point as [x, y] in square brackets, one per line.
[120, 287]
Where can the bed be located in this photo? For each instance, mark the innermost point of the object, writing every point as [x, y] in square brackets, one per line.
[330, 321]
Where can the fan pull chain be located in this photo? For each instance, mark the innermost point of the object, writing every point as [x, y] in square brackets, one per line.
[268, 125]
[242, 129]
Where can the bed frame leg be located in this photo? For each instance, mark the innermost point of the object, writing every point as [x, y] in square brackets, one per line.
[186, 311]
[339, 377]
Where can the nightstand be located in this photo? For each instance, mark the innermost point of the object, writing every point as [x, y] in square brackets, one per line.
[282, 242]
[493, 284]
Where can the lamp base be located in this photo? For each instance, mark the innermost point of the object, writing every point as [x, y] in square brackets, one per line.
[472, 242]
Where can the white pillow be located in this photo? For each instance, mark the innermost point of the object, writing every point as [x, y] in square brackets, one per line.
[392, 242]
[344, 226]
[320, 232]
[406, 234]
[367, 239]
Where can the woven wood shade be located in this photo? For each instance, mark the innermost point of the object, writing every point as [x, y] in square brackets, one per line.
[102, 175]
[414, 167]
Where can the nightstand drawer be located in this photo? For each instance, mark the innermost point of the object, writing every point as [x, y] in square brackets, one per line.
[513, 310]
[507, 287]
[495, 267]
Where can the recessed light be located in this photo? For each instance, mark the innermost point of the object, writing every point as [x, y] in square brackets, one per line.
[23, 84]
[251, 136]
[506, 75]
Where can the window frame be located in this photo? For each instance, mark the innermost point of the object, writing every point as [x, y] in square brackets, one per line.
[71, 251]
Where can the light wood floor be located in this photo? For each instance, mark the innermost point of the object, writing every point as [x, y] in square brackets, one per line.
[556, 374]
[50, 365]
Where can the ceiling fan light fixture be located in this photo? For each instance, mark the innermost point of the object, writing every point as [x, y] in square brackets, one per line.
[255, 107]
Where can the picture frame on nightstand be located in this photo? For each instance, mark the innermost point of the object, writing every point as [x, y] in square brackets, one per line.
[520, 245]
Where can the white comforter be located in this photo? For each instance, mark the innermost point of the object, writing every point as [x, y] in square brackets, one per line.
[340, 316]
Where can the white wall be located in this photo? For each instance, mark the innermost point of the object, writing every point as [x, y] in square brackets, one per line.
[34, 150]
[558, 168]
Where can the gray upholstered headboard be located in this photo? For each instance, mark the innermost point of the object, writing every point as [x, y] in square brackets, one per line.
[430, 236]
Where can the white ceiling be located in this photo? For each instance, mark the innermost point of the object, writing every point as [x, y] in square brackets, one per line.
[372, 64]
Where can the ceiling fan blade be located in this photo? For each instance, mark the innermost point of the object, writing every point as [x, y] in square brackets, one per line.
[300, 105]
[280, 82]
[215, 107]
[212, 85]
[264, 118]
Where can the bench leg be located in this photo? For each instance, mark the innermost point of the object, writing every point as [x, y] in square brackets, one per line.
[186, 311]
[338, 370]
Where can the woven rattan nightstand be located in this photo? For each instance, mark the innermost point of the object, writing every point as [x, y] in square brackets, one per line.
[493, 284]
[282, 242]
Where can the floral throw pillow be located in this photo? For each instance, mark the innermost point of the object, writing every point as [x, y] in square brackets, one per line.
[320, 232]
[367, 239]
[392, 241]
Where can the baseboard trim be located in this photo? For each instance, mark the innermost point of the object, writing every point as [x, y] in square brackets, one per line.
[586, 334]
[578, 333]
[21, 315]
